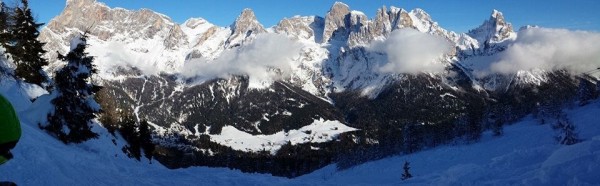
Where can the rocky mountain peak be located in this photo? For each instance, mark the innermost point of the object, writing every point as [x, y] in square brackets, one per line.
[302, 27]
[194, 22]
[78, 15]
[421, 14]
[498, 19]
[382, 14]
[399, 18]
[382, 24]
[109, 25]
[247, 13]
[75, 9]
[493, 30]
[244, 26]
[104, 22]
[335, 19]
[246, 21]
[339, 6]
[382, 11]
[497, 14]
[79, 3]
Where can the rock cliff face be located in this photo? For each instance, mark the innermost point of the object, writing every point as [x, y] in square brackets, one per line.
[108, 24]
[302, 28]
[244, 27]
[335, 20]
[142, 54]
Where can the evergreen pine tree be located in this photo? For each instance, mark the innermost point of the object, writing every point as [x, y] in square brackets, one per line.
[598, 85]
[5, 16]
[412, 138]
[406, 173]
[474, 128]
[130, 133]
[494, 122]
[586, 91]
[549, 111]
[75, 107]
[24, 47]
[497, 127]
[146, 139]
[567, 134]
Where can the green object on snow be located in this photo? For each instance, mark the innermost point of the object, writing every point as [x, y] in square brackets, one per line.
[10, 129]
[3, 160]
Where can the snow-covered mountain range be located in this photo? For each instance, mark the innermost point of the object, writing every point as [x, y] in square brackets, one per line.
[307, 80]
[154, 44]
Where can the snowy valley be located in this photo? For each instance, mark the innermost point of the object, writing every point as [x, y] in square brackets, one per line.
[527, 154]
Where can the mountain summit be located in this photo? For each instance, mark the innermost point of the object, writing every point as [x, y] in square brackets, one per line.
[244, 26]
[493, 30]
[335, 19]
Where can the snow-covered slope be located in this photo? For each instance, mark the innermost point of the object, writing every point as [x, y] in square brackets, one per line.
[527, 154]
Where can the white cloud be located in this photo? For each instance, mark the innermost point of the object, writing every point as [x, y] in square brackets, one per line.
[550, 49]
[411, 51]
[267, 51]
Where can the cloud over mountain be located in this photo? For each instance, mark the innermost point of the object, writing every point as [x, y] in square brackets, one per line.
[265, 52]
[411, 51]
[550, 49]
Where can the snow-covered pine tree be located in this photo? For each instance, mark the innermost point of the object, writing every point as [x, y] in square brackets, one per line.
[406, 173]
[549, 111]
[586, 90]
[5, 15]
[566, 131]
[24, 47]
[75, 107]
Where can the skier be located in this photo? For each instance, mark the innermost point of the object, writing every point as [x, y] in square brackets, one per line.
[10, 130]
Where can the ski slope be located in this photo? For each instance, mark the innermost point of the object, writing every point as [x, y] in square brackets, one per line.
[526, 155]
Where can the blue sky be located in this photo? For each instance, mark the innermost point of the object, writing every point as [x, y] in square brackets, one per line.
[455, 15]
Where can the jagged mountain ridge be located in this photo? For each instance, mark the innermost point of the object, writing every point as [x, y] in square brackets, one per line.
[140, 55]
[195, 39]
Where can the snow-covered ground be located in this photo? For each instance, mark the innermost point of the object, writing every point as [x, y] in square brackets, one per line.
[526, 155]
[318, 132]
